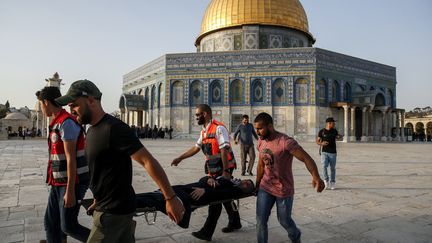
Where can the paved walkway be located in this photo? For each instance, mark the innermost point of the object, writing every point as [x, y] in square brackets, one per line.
[384, 194]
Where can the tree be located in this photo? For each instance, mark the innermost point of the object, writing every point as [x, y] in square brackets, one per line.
[7, 104]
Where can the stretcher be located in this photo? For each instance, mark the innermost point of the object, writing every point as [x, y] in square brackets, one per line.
[149, 203]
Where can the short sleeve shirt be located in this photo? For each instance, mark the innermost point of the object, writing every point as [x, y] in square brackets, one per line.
[276, 153]
[69, 130]
[330, 137]
[109, 145]
[221, 136]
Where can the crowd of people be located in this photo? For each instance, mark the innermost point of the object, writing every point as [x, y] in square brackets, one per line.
[153, 133]
[101, 159]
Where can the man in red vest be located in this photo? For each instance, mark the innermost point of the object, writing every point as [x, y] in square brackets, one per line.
[215, 144]
[67, 173]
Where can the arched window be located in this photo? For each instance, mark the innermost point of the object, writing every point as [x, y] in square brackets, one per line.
[322, 92]
[257, 91]
[236, 91]
[335, 91]
[278, 92]
[177, 92]
[196, 93]
[347, 93]
[301, 91]
[153, 97]
[216, 92]
[380, 100]
[160, 93]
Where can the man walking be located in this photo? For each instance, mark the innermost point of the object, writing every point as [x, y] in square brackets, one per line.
[215, 144]
[67, 172]
[327, 140]
[110, 146]
[246, 131]
[274, 180]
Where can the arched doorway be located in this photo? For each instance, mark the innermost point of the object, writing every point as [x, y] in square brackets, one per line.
[409, 130]
[419, 134]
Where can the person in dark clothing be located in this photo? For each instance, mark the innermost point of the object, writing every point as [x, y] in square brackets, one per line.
[327, 140]
[246, 131]
[193, 196]
[170, 131]
[110, 146]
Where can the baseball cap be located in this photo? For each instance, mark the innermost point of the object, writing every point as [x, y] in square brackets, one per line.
[330, 119]
[78, 89]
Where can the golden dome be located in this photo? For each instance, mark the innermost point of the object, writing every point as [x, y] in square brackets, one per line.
[222, 14]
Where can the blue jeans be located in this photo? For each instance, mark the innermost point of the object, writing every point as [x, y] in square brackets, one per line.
[59, 220]
[264, 206]
[326, 160]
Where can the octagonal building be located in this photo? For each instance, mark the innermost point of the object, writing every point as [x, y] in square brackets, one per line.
[257, 56]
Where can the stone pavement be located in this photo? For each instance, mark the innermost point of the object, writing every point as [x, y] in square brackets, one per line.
[384, 194]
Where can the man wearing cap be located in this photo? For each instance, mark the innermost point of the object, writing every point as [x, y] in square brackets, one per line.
[110, 145]
[327, 140]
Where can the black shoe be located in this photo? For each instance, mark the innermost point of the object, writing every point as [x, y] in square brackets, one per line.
[201, 236]
[230, 228]
[242, 173]
[250, 173]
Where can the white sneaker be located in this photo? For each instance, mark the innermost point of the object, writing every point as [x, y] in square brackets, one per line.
[332, 185]
[326, 185]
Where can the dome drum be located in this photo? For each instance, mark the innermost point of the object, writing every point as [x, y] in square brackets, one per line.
[251, 37]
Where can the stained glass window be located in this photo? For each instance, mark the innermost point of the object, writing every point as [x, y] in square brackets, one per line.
[216, 92]
[196, 93]
[258, 91]
[301, 91]
[236, 91]
[177, 93]
[279, 91]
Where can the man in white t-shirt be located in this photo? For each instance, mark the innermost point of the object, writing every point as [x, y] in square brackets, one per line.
[215, 144]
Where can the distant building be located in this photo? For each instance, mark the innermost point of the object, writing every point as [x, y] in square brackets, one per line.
[254, 58]
[418, 124]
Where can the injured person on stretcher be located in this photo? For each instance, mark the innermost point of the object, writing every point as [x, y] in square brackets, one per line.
[193, 196]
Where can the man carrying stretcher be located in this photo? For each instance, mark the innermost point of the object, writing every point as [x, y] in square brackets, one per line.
[215, 144]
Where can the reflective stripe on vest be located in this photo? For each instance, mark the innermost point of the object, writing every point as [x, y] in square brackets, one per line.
[58, 157]
[210, 148]
[57, 164]
[63, 174]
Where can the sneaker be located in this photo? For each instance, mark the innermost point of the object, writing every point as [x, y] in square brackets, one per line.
[326, 185]
[332, 185]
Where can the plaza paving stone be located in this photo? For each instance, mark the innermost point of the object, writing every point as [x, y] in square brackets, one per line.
[383, 194]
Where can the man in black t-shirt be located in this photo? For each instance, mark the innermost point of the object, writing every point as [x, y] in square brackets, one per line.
[327, 140]
[110, 145]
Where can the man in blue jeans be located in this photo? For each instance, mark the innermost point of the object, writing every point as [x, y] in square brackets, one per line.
[327, 140]
[275, 181]
[67, 172]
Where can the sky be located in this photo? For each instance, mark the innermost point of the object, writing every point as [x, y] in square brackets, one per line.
[101, 40]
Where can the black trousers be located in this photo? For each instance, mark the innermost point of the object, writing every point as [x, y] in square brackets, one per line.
[214, 213]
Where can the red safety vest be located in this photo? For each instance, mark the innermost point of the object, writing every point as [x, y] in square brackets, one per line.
[57, 163]
[210, 148]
